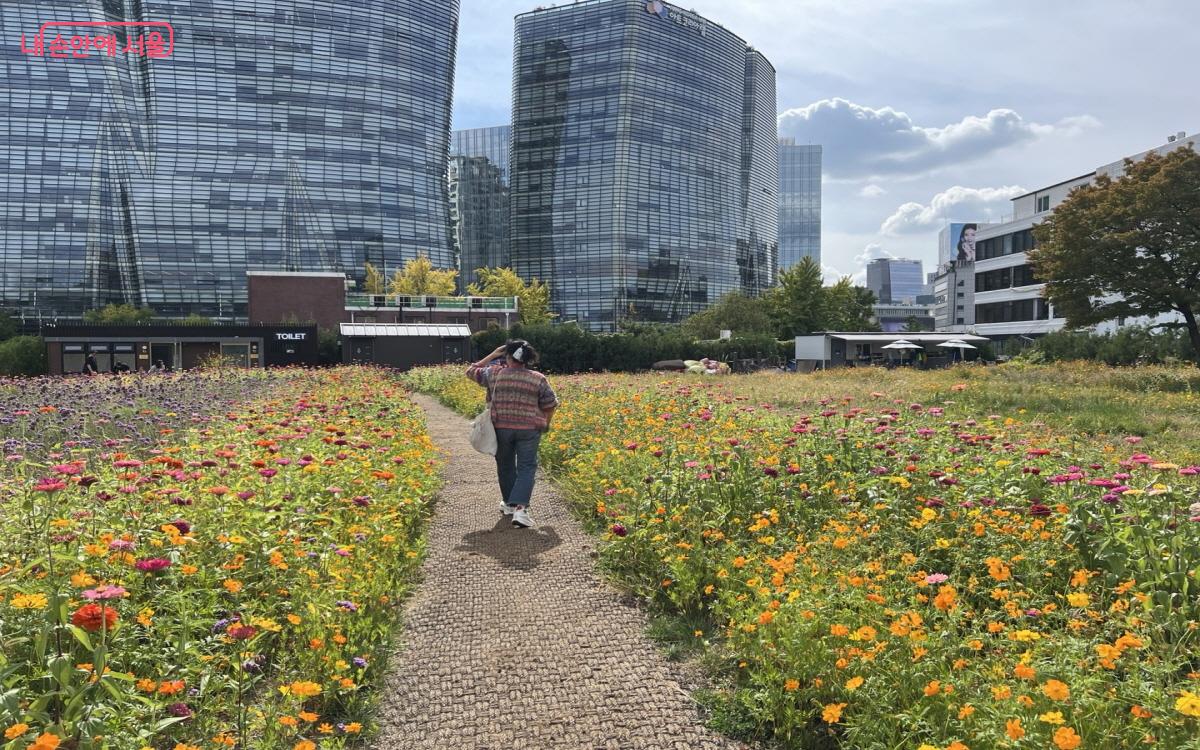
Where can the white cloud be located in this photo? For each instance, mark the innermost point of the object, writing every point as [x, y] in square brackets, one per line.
[871, 191]
[861, 141]
[956, 203]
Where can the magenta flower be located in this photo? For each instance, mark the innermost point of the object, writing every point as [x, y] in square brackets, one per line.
[67, 469]
[122, 545]
[152, 564]
[49, 486]
[618, 529]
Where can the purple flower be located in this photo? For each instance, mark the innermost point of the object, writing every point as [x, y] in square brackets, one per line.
[618, 529]
[360, 662]
[180, 710]
[348, 606]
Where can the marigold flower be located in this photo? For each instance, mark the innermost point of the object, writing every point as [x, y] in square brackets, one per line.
[832, 713]
[854, 683]
[1066, 739]
[1188, 704]
[1052, 717]
[1013, 729]
[1056, 691]
[45, 741]
[15, 731]
[933, 688]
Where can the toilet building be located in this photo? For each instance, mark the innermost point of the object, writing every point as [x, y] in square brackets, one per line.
[139, 347]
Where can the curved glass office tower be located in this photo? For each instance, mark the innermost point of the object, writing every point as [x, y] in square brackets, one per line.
[275, 135]
[644, 169]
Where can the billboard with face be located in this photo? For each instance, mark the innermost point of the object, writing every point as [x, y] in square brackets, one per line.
[962, 242]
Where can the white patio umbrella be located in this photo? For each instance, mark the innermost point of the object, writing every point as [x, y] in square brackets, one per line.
[901, 344]
[956, 344]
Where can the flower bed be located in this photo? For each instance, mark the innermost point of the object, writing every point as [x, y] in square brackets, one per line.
[876, 573]
[229, 583]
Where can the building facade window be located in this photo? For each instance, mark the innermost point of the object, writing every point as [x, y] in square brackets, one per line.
[261, 144]
[601, 86]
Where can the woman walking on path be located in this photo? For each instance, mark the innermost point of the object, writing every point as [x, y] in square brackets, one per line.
[522, 406]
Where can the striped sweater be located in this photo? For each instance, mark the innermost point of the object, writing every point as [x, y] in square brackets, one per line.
[517, 396]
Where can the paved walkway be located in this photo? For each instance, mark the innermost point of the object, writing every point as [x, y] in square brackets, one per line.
[512, 642]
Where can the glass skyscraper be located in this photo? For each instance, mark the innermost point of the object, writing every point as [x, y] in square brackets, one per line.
[275, 135]
[799, 203]
[479, 198]
[896, 280]
[644, 166]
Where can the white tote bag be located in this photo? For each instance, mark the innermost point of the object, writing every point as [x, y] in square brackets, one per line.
[483, 433]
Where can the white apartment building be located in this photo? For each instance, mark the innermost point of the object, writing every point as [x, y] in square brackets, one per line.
[1007, 299]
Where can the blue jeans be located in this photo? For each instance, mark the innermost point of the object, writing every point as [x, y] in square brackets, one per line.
[516, 463]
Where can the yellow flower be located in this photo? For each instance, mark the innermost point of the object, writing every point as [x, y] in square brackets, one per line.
[854, 683]
[1052, 717]
[1056, 691]
[1188, 704]
[29, 601]
[1066, 739]
[15, 731]
[1001, 692]
[832, 713]
[1078, 599]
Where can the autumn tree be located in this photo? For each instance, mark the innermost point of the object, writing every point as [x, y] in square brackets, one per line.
[1127, 247]
[420, 277]
[533, 296]
[375, 282]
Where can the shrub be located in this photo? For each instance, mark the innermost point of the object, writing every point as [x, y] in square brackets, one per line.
[23, 355]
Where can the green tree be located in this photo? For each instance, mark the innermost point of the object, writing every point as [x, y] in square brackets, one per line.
[8, 325]
[1127, 247]
[420, 277]
[745, 316]
[533, 296]
[797, 302]
[23, 355]
[329, 346]
[119, 315]
[195, 319]
[374, 283]
[847, 307]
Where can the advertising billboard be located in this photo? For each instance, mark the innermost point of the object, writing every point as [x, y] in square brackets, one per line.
[957, 243]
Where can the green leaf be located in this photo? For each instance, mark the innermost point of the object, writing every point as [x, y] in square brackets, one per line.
[81, 636]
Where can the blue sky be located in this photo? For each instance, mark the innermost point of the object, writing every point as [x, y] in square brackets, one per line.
[928, 110]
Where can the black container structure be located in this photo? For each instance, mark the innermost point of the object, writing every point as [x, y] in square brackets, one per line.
[175, 346]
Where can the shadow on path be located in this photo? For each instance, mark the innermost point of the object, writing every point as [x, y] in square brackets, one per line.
[515, 549]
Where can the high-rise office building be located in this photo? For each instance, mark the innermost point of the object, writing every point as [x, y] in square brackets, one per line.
[479, 193]
[644, 168]
[257, 135]
[479, 215]
[799, 202]
[491, 143]
[896, 280]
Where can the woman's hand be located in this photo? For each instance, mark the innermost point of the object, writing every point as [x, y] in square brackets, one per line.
[497, 352]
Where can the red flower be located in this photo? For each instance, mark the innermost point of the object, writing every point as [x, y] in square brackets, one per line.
[49, 485]
[93, 617]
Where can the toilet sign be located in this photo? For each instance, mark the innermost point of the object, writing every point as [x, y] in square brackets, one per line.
[290, 336]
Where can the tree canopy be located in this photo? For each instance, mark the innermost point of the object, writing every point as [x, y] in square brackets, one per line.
[1127, 247]
[420, 277]
[533, 296]
[744, 316]
[373, 282]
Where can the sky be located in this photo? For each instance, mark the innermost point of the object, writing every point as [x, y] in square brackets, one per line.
[927, 110]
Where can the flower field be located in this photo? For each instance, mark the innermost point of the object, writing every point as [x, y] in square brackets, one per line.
[859, 569]
[200, 561]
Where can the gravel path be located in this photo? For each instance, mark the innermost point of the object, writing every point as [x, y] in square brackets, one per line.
[512, 642]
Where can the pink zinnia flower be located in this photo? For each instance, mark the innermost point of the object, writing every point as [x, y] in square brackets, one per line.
[104, 592]
[934, 579]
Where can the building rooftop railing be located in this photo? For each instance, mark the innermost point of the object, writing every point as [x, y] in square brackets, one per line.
[428, 302]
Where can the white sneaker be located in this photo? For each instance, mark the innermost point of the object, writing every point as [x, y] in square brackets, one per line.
[521, 519]
[505, 508]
